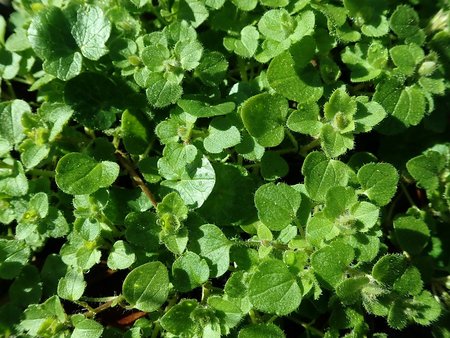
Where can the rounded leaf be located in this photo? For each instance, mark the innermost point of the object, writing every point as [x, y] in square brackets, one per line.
[146, 288]
[264, 116]
[79, 174]
[277, 205]
[273, 289]
[189, 271]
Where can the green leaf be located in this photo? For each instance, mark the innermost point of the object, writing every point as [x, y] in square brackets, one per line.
[85, 327]
[163, 91]
[95, 99]
[135, 132]
[338, 201]
[349, 291]
[189, 271]
[193, 11]
[273, 166]
[178, 320]
[333, 142]
[406, 57]
[228, 313]
[14, 255]
[368, 115]
[339, 110]
[222, 134]
[201, 108]
[231, 200]
[122, 256]
[264, 116]
[247, 44]
[404, 21]
[212, 68]
[188, 172]
[321, 174]
[427, 309]
[273, 289]
[209, 242]
[44, 320]
[142, 230]
[72, 285]
[79, 174]
[366, 61]
[146, 288]
[277, 205]
[13, 180]
[410, 283]
[188, 53]
[27, 287]
[305, 119]
[91, 30]
[295, 78]
[378, 182]
[320, 229]
[276, 24]
[11, 113]
[330, 263]
[32, 154]
[411, 233]
[405, 104]
[173, 204]
[426, 168]
[389, 268]
[268, 330]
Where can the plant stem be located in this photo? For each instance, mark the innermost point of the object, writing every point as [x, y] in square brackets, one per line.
[156, 330]
[307, 147]
[292, 139]
[41, 172]
[307, 326]
[408, 196]
[99, 299]
[136, 178]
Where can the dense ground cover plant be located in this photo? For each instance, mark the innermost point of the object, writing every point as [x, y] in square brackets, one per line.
[202, 168]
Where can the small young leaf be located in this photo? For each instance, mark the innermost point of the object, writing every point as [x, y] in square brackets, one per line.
[246, 45]
[146, 288]
[349, 291]
[11, 129]
[366, 61]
